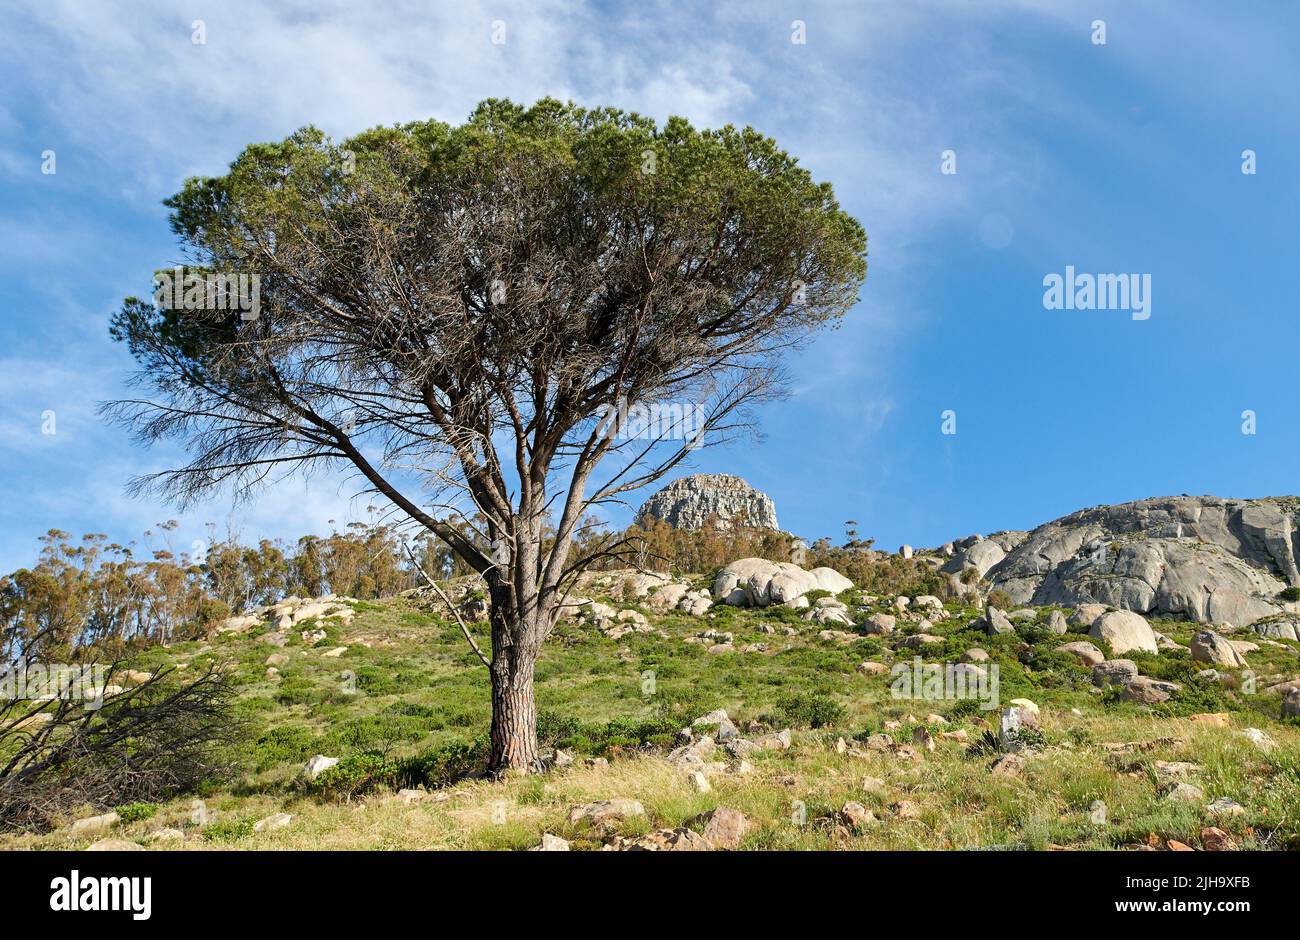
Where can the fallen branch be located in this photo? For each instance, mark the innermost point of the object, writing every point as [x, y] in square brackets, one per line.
[454, 612]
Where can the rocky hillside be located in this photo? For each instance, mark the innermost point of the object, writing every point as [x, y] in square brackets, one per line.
[688, 502]
[1203, 558]
[763, 707]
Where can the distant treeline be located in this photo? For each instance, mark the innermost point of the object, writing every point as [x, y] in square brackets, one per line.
[93, 592]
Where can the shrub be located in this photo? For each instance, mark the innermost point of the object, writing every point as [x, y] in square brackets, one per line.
[1000, 599]
[151, 742]
[810, 710]
[1290, 594]
[228, 830]
[364, 773]
[134, 812]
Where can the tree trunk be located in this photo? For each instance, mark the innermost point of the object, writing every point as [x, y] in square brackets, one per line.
[514, 703]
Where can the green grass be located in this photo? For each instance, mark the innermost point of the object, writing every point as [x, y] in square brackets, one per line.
[407, 706]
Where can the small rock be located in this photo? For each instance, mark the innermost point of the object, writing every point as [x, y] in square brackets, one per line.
[725, 828]
[1291, 705]
[1097, 813]
[318, 765]
[603, 812]
[680, 839]
[114, 845]
[857, 817]
[273, 822]
[1210, 719]
[1184, 792]
[1114, 672]
[975, 655]
[551, 843]
[1147, 691]
[922, 738]
[1087, 653]
[872, 669]
[699, 782]
[165, 835]
[1216, 840]
[777, 741]
[1259, 738]
[1008, 765]
[995, 621]
[1223, 806]
[905, 809]
[92, 823]
[879, 624]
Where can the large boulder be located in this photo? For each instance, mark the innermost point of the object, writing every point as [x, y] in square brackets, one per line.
[1208, 647]
[689, 502]
[1125, 631]
[757, 582]
[1206, 559]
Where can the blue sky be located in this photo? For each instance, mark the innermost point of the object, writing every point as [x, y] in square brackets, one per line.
[1115, 158]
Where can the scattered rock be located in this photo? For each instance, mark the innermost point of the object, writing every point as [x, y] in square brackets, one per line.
[273, 822]
[1085, 652]
[1209, 647]
[1085, 615]
[1008, 765]
[1125, 631]
[1147, 691]
[995, 621]
[1216, 840]
[1184, 792]
[725, 828]
[93, 823]
[317, 765]
[165, 835]
[551, 843]
[603, 812]
[1259, 739]
[857, 817]
[1114, 672]
[1223, 806]
[1210, 719]
[879, 625]
[114, 845]
[873, 669]
[680, 839]
[905, 809]
[975, 655]
[1291, 704]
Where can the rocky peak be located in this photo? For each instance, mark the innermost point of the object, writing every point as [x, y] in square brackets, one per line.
[688, 502]
[1201, 557]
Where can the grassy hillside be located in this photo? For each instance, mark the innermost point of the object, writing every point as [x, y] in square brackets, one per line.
[406, 704]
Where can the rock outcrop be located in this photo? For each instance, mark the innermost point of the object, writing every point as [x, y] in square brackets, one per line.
[687, 503]
[757, 582]
[1203, 558]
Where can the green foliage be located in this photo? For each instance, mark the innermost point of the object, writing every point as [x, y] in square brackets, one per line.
[809, 710]
[364, 773]
[1000, 599]
[134, 812]
[228, 830]
[1291, 593]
